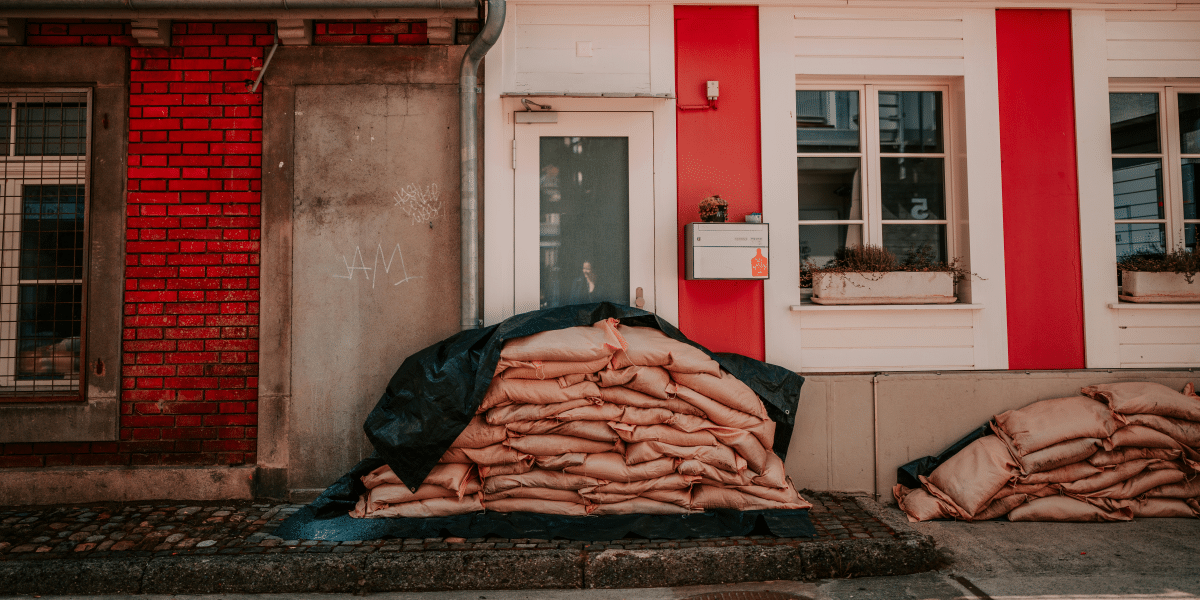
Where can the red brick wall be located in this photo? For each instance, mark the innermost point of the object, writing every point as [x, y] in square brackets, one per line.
[378, 32]
[190, 337]
[79, 32]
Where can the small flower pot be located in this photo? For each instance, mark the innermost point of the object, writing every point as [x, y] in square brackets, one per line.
[1145, 286]
[895, 287]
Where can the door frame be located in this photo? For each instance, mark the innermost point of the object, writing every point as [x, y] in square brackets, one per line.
[499, 210]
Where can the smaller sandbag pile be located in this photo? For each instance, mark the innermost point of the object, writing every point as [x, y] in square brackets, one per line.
[601, 420]
[1122, 450]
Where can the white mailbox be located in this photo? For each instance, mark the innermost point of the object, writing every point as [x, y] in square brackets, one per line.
[727, 251]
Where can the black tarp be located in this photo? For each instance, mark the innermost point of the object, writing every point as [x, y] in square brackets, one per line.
[434, 394]
[906, 474]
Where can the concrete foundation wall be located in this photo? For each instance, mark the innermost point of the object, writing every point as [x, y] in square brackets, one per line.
[853, 431]
[65, 485]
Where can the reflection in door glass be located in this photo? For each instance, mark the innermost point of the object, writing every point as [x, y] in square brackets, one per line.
[584, 220]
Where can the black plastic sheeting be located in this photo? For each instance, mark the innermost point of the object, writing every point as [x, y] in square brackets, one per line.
[907, 474]
[433, 396]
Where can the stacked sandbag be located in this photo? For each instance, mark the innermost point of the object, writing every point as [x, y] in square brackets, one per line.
[1121, 451]
[601, 420]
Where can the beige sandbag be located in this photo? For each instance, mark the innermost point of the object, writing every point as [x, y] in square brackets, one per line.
[1065, 473]
[1140, 484]
[539, 478]
[710, 474]
[548, 507]
[764, 430]
[672, 481]
[648, 346]
[456, 456]
[1037, 490]
[787, 494]
[633, 415]
[450, 476]
[726, 389]
[360, 508]
[479, 434]
[1106, 458]
[558, 463]
[651, 381]
[1181, 490]
[1000, 507]
[573, 344]
[715, 411]
[610, 466]
[503, 415]
[746, 445]
[637, 506]
[555, 445]
[1048, 422]
[661, 433]
[593, 412]
[433, 507]
[548, 369]
[1062, 453]
[594, 497]
[536, 493]
[707, 496]
[398, 493]
[1066, 509]
[719, 456]
[677, 497]
[588, 430]
[1170, 508]
[503, 392]
[970, 478]
[1180, 430]
[627, 397]
[1112, 476]
[496, 454]
[522, 466]
[1144, 437]
[1144, 397]
[919, 505]
[773, 475]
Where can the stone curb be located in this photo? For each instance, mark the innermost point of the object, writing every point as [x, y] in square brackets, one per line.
[909, 552]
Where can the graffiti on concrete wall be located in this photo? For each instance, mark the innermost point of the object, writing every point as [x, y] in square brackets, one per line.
[357, 266]
[422, 205]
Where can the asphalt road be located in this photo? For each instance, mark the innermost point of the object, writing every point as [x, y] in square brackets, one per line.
[1146, 559]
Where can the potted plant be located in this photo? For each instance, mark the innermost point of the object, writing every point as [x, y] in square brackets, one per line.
[1160, 276]
[873, 275]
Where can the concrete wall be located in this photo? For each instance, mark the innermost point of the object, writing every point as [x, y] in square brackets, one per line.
[912, 415]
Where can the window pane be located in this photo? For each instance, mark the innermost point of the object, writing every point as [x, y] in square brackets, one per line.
[1140, 237]
[1133, 120]
[52, 232]
[5, 123]
[1189, 123]
[830, 188]
[820, 243]
[48, 328]
[910, 122]
[1189, 187]
[1137, 188]
[912, 188]
[826, 121]
[584, 220]
[1189, 236]
[51, 128]
[902, 240]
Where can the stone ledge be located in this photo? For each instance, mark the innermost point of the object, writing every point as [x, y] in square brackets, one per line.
[69, 485]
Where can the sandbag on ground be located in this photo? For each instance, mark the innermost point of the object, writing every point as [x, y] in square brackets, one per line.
[1066, 509]
[1142, 397]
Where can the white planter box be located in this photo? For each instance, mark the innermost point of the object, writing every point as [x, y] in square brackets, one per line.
[896, 287]
[1143, 286]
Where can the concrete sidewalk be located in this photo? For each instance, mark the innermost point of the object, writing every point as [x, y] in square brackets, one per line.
[196, 549]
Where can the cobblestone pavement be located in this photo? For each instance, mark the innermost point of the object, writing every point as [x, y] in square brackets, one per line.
[111, 530]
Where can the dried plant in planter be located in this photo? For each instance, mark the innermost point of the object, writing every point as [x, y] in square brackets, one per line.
[877, 260]
[1183, 261]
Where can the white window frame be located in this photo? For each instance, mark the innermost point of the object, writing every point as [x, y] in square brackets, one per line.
[869, 154]
[1170, 154]
[17, 171]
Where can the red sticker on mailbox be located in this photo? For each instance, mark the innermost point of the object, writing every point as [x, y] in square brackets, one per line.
[758, 264]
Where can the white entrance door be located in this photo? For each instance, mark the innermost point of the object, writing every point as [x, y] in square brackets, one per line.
[584, 210]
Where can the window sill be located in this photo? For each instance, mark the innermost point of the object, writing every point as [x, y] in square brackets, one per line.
[1154, 306]
[808, 306]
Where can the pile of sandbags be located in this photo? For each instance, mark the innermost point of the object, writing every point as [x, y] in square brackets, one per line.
[1120, 451]
[601, 420]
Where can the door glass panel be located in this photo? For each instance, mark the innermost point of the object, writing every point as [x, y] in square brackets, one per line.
[1133, 122]
[912, 188]
[1140, 237]
[903, 239]
[826, 121]
[1189, 123]
[1137, 188]
[830, 188]
[910, 122]
[584, 220]
[820, 243]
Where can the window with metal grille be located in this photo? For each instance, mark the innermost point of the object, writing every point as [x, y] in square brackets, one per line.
[43, 185]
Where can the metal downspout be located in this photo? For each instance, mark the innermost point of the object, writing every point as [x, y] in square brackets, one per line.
[468, 97]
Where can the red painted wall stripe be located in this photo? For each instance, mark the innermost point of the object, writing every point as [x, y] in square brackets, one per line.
[1041, 199]
[719, 152]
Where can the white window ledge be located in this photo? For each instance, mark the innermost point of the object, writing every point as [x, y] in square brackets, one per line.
[806, 306]
[1152, 306]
